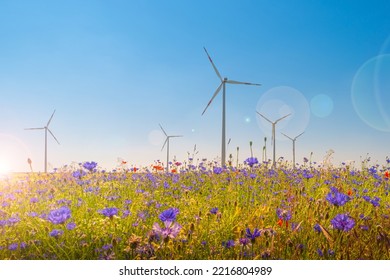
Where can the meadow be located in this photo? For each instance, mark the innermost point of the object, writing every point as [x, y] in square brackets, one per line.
[198, 211]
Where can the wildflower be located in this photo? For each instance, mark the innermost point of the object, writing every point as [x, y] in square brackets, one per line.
[375, 201]
[59, 216]
[343, 222]
[337, 198]
[171, 229]
[228, 244]
[90, 166]
[251, 161]
[387, 174]
[214, 210]
[252, 236]
[244, 241]
[217, 170]
[56, 233]
[169, 215]
[70, 226]
[13, 246]
[109, 212]
[78, 174]
[320, 253]
[317, 228]
[285, 215]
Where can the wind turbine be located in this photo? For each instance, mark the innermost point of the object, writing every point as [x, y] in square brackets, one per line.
[273, 133]
[224, 81]
[46, 128]
[167, 142]
[293, 140]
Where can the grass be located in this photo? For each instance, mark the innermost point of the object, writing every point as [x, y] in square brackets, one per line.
[216, 208]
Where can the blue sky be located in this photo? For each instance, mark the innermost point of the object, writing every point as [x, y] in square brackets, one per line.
[114, 70]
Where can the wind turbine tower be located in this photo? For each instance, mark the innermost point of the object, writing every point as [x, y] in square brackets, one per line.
[293, 141]
[46, 128]
[273, 133]
[222, 86]
[167, 142]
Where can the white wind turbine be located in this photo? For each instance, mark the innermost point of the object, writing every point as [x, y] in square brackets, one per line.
[167, 142]
[273, 133]
[293, 140]
[46, 128]
[223, 86]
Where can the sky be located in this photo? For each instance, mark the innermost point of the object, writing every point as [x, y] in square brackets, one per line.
[115, 70]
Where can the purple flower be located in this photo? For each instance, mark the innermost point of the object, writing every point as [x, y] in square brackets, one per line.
[169, 215]
[375, 201]
[70, 226]
[317, 228]
[251, 161]
[228, 244]
[56, 233]
[320, 253]
[244, 241]
[214, 210]
[90, 166]
[59, 216]
[78, 174]
[13, 246]
[285, 215]
[171, 229]
[217, 170]
[337, 198]
[252, 236]
[109, 212]
[343, 222]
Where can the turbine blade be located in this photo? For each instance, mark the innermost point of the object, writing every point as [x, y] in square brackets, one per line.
[287, 136]
[241, 83]
[34, 128]
[212, 63]
[166, 140]
[163, 130]
[299, 135]
[212, 98]
[264, 117]
[176, 136]
[53, 136]
[50, 118]
[282, 118]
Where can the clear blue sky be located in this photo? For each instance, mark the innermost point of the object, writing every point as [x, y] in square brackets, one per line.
[114, 70]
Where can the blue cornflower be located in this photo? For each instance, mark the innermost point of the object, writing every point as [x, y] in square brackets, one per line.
[284, 215]
[59, 216]
[375, 201]
[320, 253]
[252, 236]
[343, 222]
[13, 246]
[56, 233]
[317, 228]
[169, 215]
[70, 226]
[228, 244]
[337, 198]
[251, 161]
[90, 166]
[217, 170]
[214, 210]
[109, 212]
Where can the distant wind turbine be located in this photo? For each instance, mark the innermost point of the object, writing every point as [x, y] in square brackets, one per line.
[293, 140]
[46, 128]
[223, 86]
[167, 142]
[273, 133]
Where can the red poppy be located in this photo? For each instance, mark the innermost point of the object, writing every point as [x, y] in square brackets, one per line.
[124, 162]
[349, 192]
[158, 167]
[135, 169]
[174, 171]
[387, 174]
[280, 222]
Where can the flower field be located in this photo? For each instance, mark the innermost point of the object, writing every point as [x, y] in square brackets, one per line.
[197, 212]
